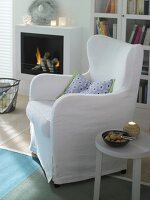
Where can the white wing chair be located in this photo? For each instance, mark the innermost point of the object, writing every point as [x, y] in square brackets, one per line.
[63, 130]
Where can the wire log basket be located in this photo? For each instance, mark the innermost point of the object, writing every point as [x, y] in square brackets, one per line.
[8, 94]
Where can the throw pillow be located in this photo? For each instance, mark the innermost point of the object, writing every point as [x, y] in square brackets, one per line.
[73, 76]
[97, 87]
[112, 86]
[79, 84]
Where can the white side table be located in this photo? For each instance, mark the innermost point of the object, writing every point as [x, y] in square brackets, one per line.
[135, 150]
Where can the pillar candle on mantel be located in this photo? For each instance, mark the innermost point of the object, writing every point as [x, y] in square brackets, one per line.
[62, 21]
[53, 23]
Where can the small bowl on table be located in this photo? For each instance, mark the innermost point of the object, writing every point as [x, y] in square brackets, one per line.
[115, 138]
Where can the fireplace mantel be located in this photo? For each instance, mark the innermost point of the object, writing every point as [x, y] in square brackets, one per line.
[71, 50]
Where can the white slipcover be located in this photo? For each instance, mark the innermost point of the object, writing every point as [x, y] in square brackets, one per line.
[63, 130]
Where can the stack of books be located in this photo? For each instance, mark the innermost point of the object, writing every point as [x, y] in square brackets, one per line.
[103, 28]
[139, 7]
[140, 35]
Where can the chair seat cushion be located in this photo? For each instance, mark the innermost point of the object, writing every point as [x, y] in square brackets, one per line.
[39, 113]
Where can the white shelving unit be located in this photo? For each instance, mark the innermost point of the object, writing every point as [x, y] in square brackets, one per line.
[98, 12]
[125, 23]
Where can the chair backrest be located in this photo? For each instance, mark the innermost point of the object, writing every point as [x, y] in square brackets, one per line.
[111, 58]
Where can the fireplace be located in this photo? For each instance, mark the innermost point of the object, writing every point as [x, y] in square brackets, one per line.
[61, 46]
[41, 53]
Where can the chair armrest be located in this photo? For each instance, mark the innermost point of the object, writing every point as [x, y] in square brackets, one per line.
[86, 109]
[77, 119]
[48, 86]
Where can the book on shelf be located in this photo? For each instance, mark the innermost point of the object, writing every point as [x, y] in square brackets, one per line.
[142, 40]
[146, 7]
[97, 25]
[134, 6]
[133, 33]
[139, 99]
[137, 35]
[145, 94]
[142, 34]
[144, 70]
[106, 27]
[108, 6]
[142, 93]
[111, 6]
[140, 7]
[147, 37]
[130, 7]
[103, 28]
[145, 67]
[115, 31]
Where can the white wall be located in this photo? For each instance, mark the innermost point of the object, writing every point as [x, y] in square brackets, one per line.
[78, 11]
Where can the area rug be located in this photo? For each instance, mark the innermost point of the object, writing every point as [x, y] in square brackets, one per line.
[14, 169]
[35, 187]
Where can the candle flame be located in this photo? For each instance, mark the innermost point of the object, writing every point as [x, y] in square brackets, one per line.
[132, 123]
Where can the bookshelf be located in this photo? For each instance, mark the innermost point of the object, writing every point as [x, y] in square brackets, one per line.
[128, 20]
[111, 18]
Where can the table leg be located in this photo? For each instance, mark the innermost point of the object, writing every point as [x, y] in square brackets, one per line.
[136, 179]
[97, 175]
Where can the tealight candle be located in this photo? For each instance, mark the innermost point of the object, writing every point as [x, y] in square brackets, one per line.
[53, 22]
[132, 128]
[27, 19]
[62, 21]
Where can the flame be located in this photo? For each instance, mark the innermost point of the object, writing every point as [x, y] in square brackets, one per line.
[57, 64]
[38, 56]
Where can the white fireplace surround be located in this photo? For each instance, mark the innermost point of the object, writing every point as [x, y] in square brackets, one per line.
[71, 50]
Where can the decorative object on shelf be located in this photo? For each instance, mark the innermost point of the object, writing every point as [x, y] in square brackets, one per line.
[62, 21]
[53, 23]
[132, 128]
[43, 11]
[27, 20]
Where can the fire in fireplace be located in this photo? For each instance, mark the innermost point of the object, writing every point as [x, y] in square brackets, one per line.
[41, 53]
[45, 64]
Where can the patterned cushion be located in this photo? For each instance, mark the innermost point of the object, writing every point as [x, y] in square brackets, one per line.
[97, 87]
[82, 85]
[79, 84]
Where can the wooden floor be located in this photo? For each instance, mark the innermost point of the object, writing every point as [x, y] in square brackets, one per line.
[14, 128]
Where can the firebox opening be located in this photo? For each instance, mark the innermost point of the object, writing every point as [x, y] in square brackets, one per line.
[41, 53]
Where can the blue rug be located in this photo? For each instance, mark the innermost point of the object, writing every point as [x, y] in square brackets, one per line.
[14, 169]
[22, 178]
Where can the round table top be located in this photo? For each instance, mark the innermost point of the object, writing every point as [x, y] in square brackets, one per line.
[138, 148]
